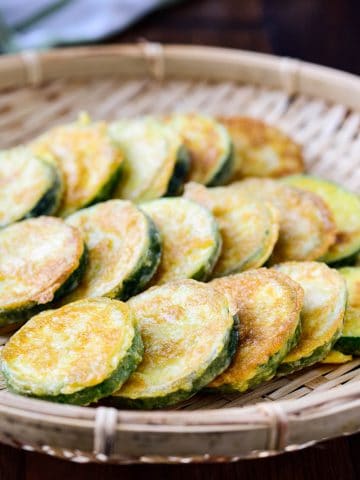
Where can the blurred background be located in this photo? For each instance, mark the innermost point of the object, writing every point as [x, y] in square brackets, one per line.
[321, 31]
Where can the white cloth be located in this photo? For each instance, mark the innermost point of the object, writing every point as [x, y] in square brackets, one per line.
[28, 24]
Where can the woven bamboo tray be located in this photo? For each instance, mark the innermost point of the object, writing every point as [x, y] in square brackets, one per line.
[317, 106]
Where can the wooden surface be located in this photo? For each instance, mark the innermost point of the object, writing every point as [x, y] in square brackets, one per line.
[333, 460]
[323, 31]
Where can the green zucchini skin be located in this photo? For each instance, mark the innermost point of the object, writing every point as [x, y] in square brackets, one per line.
[220, 363]
[147, 267]
[264, 372]
[124, 267]
[50, 201]
[181, 170]
[349, 261]
[345, 207]
[349, 341]
[92, 394]
[325, 298]
[348, 345]
[317, 355]
[200, 134]
[21, 315]
[249, 228]
[74, 279]
[108, 187]
[225, 171]
[204, 273]
[175, 218]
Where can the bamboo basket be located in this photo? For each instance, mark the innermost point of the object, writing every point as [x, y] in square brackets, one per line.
[317, 106]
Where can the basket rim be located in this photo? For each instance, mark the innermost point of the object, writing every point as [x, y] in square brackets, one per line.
[31, 68]
[315, 405]
[154, 60]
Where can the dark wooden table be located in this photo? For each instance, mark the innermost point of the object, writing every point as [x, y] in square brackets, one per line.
[322, 31]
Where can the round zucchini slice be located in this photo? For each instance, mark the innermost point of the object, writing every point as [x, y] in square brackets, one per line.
[249, 228]
[190, 237]
[307, 228]
[124, 250]
[189, 338]
[345, 208]
[156, 161]
[261, 150]
[322, 314]
[30, 186]
[209, 145]
[76, 354]
[41, 259]
[349, 341]
[89, 161]
[268, 304]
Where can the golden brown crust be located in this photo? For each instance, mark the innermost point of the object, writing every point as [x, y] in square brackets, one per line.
[37, 256]
[151, 151]
[190, 238]
[204, 139]
[249, 227]
[307, 227]
[116, 234]
[345, 208]
[24, 180]
[261, 150]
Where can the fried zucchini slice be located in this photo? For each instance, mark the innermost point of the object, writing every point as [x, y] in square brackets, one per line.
[307, 228]
[124, 250]
[190, 236]
[41, 259]
[261, 150]
[30, 186]
[89, 161]
[345, 208]
[189, 338]
[322, 315]
[249, 228]
[349, 341]
[76, 354]
[336, 357]
[209, 145]
[268, 304]
[156, 161]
